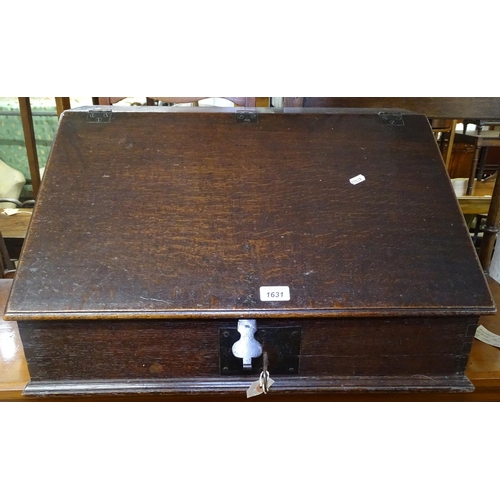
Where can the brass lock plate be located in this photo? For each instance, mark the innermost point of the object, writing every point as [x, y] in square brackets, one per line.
[282, 345]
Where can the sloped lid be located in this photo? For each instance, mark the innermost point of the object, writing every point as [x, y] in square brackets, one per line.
[163, 213]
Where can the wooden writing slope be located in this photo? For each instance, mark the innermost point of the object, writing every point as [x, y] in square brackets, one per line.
[328, 240]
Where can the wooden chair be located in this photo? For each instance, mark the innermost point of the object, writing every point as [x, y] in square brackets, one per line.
[444, 133]
[62, 103]
[7, 267]
[238, 101]
[12, 182]
[17, 203]
[14, 228]
[151, 101]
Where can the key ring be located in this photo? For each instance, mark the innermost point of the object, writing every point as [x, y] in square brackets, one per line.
[263, 381]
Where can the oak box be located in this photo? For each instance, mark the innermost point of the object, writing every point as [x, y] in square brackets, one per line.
[328, 240]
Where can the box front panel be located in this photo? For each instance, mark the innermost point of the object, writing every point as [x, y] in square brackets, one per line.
[388, 347]
[155, 350]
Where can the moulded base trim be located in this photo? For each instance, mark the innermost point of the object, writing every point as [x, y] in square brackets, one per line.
[231, 385]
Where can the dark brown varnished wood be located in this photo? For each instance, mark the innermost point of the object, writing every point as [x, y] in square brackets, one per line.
[184, 214]
[285, 387]
[171, 224]
[116, 351]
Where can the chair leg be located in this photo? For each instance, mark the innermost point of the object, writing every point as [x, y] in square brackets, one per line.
[29, 139]
[481, 163]
[62, 104]
[451, 140]
[473, 170]
[7, 267]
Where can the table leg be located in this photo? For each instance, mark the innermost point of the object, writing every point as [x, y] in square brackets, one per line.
[481, 163]
[472, 173]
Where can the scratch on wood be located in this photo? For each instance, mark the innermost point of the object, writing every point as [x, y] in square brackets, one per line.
[424, 376]
[151, 298]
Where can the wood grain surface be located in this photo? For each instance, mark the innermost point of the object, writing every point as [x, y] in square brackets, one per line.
[135, 349]
[187, 213]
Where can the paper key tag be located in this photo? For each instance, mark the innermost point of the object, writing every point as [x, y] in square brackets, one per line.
[11, 211]
[356, 180]
[484, 335]
[256, 389]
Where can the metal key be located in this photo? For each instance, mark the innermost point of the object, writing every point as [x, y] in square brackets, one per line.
[264, 376]
[264, 383]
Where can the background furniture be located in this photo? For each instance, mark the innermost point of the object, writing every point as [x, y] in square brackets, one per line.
[12, 144]
[480, 124]
[481, 141]
[479, 201]
[444, 129]
[29, 139]
[150, 101]
[62, 103]
[14, 229]
[12, 182]
[7, 267]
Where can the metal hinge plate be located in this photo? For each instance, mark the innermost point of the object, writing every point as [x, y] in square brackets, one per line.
[247, 117]
[99, 116]
[392, 119]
